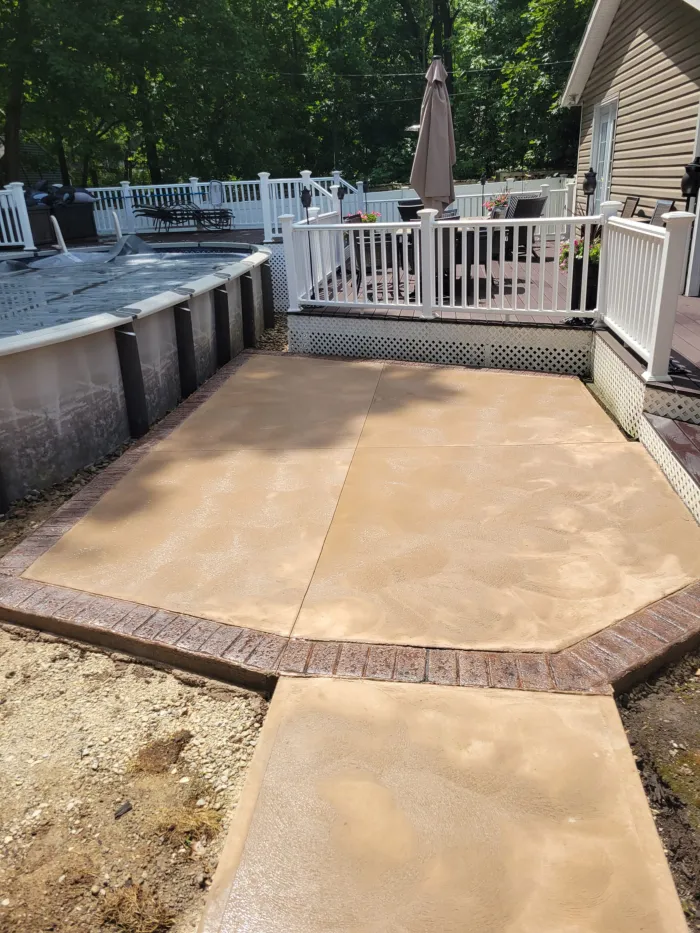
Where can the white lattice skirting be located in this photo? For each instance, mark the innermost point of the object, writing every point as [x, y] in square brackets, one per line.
[675, 473]
[619, 389]
[278, 270]
[672, 405]
[626, 395]
[551, 350]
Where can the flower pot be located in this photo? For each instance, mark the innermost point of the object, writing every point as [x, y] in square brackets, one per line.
[591, 286]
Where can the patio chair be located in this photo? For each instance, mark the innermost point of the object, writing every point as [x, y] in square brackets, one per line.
[408, 209]
[526, 206]
[662, 207]
[162, 217]
[630, 206]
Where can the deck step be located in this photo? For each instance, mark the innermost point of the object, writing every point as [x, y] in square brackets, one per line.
[682, 439]
[675, 445]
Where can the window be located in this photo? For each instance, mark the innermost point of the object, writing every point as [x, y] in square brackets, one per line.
[604, 121]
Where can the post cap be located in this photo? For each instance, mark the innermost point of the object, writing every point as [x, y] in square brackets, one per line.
[678, 218]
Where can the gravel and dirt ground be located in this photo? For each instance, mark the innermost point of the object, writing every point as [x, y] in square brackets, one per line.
[276, 337]
[662, 719]
[117, 782]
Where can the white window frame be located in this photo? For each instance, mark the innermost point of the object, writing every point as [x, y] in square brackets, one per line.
[603, 192]
[692, 282]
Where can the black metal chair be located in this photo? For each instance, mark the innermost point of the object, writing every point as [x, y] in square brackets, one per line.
[408, 209]
[520, 207]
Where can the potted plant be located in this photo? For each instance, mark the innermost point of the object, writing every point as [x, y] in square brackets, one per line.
[497, 204]
[363, 243]
[593, 268]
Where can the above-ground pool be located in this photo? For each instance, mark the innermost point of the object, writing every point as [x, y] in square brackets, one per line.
[48, 296]
[94, 351]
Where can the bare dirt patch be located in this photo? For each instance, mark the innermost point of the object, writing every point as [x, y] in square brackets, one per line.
[117, 781]
[662, 719]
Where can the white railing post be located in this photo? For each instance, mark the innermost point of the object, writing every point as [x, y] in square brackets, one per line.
[361, 197]
[337, 211]
[336, 200]
[608, 209]
[313, 214]
[669, 288]
[570, 201]
[266, 206]
[427, 260]
[128, 201]
[16, 189]
[196, 193]
[287, 225]
[336, 177]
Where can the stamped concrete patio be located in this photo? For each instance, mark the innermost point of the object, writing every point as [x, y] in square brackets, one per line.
[392, 527]
[394, 504]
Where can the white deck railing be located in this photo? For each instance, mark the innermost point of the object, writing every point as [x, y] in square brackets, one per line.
[644, 269]
[15, 229]
[500, 266]
[505, 267]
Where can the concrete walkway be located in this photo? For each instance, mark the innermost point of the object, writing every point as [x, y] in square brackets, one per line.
[377, 808]
[391, 504]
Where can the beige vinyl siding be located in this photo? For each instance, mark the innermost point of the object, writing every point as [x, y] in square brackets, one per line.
[650, 62]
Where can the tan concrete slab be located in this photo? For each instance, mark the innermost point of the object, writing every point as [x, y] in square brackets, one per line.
[510, 548]
[374, 808]
[284, 403]
[416, 407]
[232, 537]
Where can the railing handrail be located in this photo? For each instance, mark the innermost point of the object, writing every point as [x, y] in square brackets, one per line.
[635, 227]
[321, 189]
[468, 222]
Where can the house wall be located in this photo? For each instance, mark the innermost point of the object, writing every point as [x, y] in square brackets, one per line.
[651, 61]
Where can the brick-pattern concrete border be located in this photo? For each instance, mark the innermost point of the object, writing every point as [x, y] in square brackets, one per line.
[611, 660]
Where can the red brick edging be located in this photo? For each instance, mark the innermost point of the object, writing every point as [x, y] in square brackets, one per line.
[613, 659]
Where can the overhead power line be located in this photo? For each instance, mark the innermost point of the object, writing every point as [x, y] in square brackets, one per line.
[401, 74]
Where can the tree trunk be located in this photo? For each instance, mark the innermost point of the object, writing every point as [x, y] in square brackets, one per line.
[18, 56]
[86, 169]
[62, 160]
[447, 26]
[94, 180]
[153, 160]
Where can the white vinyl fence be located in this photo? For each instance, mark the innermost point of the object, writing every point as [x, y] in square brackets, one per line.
[252, 204]
[506, 267]
[470, 199]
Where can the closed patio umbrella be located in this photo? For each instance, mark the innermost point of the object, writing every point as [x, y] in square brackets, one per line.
[431, 175]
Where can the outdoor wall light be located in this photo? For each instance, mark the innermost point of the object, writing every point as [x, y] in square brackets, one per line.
[590, 182]
[306, 198]
[690, 183]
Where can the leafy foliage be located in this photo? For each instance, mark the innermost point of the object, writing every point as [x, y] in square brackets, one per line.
[164, 89]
